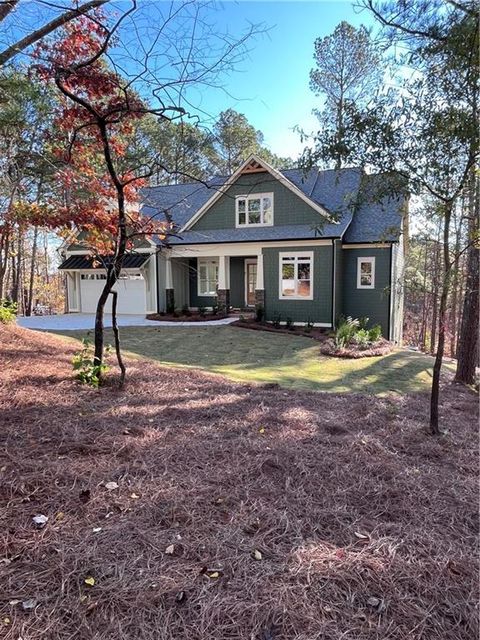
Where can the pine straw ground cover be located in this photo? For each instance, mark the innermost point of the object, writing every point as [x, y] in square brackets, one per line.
[363, 526]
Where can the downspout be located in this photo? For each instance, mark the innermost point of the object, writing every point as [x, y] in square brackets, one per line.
[334, 291]
[390, 299]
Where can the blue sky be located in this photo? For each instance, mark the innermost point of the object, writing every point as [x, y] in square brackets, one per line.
[271, 86]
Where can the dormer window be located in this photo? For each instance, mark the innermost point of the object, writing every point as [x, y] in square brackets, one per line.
[254, 210]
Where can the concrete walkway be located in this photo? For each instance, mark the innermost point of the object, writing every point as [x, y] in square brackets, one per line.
[73, 321]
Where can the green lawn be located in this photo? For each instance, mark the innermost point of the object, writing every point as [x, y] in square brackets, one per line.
[291, 361]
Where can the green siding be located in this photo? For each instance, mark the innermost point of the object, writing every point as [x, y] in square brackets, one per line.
[317, 310]
[237, 282]
[287, 207]
[371, 303]
[180, 282]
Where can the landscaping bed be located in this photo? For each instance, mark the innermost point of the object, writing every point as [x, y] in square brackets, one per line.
[316, 333]
[379, 348]
[191, 317]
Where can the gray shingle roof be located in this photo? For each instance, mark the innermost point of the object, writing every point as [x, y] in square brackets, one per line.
[130, 261]
[336, 191]
[377, 217]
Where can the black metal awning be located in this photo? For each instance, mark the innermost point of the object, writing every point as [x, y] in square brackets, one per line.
[130, 261]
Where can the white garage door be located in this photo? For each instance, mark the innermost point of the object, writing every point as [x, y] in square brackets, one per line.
[131, 293]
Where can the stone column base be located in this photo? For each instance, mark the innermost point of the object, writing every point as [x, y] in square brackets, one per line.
[170, 300]
[260, 305]
[260, 297]
[223, 299]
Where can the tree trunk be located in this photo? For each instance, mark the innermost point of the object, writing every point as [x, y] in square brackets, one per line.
[17, 271]
[455, 282]
[28, 310]
[116, 335]
[442, 313]
[467, 355]
[114, 269]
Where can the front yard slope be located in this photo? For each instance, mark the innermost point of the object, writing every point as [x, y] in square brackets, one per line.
[236, 511]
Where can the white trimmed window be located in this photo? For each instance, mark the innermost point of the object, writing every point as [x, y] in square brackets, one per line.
[296, 276]
[254, 210]
[366, 273]
[207, 277]
[93, 276]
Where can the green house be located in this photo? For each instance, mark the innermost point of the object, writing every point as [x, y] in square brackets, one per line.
[306, 246]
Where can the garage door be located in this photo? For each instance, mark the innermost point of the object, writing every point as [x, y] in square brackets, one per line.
[131, 293]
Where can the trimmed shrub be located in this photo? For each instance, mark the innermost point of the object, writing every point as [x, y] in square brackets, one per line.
[259, 313]
[375, 333]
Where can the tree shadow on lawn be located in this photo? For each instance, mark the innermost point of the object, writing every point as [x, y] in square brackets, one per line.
[291, 361]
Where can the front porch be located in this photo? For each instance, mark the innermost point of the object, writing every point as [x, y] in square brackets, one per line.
[207, 281]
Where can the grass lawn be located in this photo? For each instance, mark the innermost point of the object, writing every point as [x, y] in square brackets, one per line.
[291, 361]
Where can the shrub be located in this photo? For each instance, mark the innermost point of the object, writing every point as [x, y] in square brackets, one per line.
[363, 322]
[259, 313]
[215, 309]
[375, 333]
[8, 311]
[202, 311]
[276, 320]
[289, 324]
[361, 338]
[308, 326]
[186, 310]
[345, 331]
[88, 372]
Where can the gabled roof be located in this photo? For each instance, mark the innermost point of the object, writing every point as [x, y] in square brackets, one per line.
[336, 192]
[254, 164]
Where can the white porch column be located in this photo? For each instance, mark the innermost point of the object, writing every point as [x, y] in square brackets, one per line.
[224, 272]
[259, 283]
[223, 289]
[168, 274]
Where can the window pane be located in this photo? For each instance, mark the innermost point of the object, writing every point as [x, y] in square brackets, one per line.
[254, 211]
[288, 280]
[304, 270]
[303, 288]
[366, 274]
[267, 211]
[241, 211]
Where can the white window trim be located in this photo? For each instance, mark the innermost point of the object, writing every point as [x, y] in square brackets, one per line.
[294, 254]
[205, 261]
[359, 273]
[252, 196]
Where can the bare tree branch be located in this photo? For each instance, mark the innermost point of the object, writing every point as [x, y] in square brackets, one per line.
[37, 35]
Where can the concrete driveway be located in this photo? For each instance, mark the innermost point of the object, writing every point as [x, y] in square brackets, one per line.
[73, 321]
